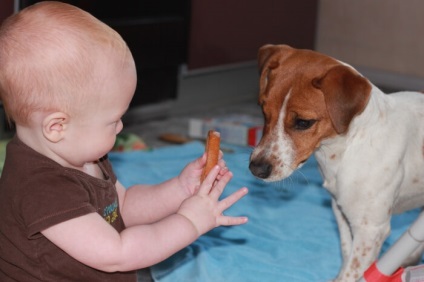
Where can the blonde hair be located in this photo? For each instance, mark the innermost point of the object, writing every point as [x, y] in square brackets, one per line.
[49, 54]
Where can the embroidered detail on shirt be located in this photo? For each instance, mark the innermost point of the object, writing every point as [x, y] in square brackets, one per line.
[110, 213]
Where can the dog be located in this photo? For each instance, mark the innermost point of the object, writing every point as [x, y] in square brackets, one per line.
[369, 145]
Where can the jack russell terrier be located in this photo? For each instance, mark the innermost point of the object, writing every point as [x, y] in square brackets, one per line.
[369, 145]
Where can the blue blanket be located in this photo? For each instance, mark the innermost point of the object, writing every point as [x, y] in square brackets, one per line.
[291, 234]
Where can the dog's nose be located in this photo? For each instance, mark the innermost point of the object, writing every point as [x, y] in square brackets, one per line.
[260, 169]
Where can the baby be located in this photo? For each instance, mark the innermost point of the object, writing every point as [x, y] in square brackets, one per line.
[66, 79]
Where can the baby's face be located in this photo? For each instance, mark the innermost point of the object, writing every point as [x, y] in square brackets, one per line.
[94, 134]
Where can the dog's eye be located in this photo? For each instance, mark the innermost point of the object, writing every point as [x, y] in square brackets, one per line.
[303, 124]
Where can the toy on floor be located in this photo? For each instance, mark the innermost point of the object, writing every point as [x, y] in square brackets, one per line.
[128, 142]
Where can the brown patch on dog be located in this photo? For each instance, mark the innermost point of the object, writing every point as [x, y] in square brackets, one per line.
[333, 156]
[356, 264]
[346, 95]
[365, 251]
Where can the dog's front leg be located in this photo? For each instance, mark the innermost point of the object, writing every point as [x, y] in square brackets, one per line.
[344, 231]
[367, 241]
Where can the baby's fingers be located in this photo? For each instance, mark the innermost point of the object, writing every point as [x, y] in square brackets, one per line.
[206, 185]
[228, 202]
[231, 199]
[221, 155]
[220, 184]
[222, 163]
[230, 220]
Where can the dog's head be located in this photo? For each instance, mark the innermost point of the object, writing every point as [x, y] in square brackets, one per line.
[305, 97]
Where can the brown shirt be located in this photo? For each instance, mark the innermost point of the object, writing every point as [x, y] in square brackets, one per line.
[36, 193]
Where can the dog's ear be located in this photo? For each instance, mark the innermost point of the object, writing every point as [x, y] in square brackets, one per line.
[267, 51]
[264, 53]
[346, 94]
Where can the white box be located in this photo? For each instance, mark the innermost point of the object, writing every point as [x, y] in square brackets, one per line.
[234, 129]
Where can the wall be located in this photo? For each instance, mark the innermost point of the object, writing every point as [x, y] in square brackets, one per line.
[227, 32]
[223, 44]
[384, 38]
[6, 9]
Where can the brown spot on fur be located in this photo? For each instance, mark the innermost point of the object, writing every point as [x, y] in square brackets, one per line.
[333, 156]
[365, 251]
[415, 180]
[355, 264]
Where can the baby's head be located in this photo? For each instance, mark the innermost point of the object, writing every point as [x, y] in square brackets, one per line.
[56, 57]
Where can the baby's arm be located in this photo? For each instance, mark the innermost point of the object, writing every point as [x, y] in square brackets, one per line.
[142, 204]
[92, 241]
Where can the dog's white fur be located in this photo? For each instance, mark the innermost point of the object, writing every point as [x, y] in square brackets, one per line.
[372, 159]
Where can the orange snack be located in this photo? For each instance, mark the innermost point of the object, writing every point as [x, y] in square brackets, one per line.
[212, 152]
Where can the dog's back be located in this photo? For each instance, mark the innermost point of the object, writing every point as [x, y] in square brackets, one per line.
[408, 112]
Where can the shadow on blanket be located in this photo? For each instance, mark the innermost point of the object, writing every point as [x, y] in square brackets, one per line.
[291, 234]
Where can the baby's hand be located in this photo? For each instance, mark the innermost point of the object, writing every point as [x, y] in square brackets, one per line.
[189, 178]
[205, 210]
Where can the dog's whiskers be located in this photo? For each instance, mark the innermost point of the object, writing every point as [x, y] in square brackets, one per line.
[303, 176]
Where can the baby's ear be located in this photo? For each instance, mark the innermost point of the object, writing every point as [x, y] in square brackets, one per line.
[54, 126]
